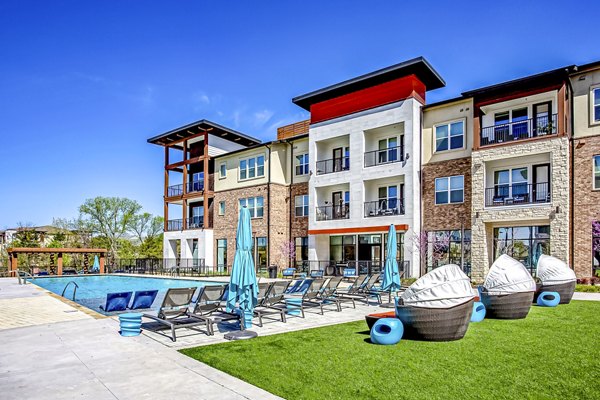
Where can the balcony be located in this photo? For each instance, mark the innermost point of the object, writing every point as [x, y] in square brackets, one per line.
[517, 194]
[195, 186]
[174, 225]
[175, 190]
[384, 207]
[384, 156]
[328, 213]
[195, 222]
[513, 131]
[333, 165]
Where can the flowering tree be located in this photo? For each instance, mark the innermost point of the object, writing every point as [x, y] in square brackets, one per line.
[287, 252]
[432, 246]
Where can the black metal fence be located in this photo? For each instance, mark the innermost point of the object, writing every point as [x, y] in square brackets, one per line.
[383, 207]
[333, 165]
[167, 267]
[174, 225]
[195, 186]
[326, 213]
[517, 193]
[384, 156]
[336, 268]
[195, 222]
[518, 130]
[175, 190]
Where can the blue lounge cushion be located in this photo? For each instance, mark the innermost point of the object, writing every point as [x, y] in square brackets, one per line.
[548, 299]
[478, 314]
[289, 272]
[143, 299]
[387, 331]
[117, 301]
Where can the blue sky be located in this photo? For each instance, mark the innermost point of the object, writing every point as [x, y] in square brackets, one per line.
[84, 84]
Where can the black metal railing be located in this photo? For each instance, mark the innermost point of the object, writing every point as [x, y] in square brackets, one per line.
[195, 222]
[384, 207]
[174, 225]
[337, 268]
[175, 190]
[384, 156]
[167, 267]
[326, 213]
[530, 128]
[333, 165]
[195, 186]
[517, 193]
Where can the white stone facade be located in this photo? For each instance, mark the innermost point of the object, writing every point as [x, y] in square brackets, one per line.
[554, 213]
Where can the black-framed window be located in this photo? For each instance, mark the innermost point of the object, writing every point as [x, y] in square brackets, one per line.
[301, 248]
[596, 172]
[342, 248]
[596, 104]
[399, 246]
[302, 164]
[221, 254]
[523, 243]
[449, 247]
[261, 249]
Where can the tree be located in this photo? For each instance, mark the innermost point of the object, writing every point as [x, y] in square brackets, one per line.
[146, 226]
[111, 217]
[432, 246]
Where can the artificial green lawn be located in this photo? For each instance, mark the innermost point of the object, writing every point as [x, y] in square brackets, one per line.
[552, 354]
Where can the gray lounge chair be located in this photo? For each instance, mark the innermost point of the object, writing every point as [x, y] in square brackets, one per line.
[208, 308]
[274, 297]
[364, 291]
[327, 293]
[174, 310]
[310, 298]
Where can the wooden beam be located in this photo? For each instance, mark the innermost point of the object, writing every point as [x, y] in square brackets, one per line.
[206, 222]
[102, 263]
[14, 262]
[51, 250]
[59, 265]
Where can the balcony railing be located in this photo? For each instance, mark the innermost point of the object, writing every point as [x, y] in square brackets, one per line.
[326, 213]
[333, 165]
[195, 186]
[517, 193]
[540, 126]
[384, 207]
[195, 222]
[175, 190]
[174, 225]
[384, 156]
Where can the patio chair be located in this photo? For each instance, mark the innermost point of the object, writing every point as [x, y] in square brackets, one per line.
[116, 301]
[365, 290]
[310, 297]
[316, 274]
[299, 287]
[269, 305]
[327, 292]
[208, 308]
[288, 273]
[174, 311]
[143, 299]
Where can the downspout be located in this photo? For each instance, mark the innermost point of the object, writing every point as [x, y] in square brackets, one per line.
[572, 169]
[269, 211]
[421, 269]
[290, 196]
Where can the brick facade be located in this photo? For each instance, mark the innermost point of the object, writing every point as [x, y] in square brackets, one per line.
[299, 226]
[446, 216]
[586, 203]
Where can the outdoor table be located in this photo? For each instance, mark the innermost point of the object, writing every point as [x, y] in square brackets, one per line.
[293, 306]
[131, 324]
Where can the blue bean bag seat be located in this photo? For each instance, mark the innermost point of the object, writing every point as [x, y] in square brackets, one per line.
[478, 312]
[387, 331]
[548, 299]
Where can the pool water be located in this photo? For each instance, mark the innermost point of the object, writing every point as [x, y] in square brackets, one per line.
[92, 290]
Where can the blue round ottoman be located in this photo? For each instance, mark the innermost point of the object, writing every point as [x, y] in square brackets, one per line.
[478, 312]
[131, 324]
[387, 331]
[548, 299]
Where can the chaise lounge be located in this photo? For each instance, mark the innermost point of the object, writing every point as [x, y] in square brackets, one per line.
[555, 276]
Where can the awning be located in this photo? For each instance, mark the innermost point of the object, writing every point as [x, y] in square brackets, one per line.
[552, 271]
[507, 276]
[444, 287]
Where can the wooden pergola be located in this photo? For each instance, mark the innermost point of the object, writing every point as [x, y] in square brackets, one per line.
[13, 252]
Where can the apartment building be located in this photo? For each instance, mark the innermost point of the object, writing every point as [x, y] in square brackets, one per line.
[189, 170]
[270, 179]
[585, 173]
[364, 162]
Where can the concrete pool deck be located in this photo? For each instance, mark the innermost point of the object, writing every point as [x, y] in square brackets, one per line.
[51, 348]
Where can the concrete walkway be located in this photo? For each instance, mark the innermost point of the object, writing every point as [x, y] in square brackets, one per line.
[86, 358]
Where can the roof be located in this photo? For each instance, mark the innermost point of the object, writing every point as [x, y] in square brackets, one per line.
[418, 66]
[264, 144]
[446, 101]
[544, 78]
[586, 67]
[199, 126]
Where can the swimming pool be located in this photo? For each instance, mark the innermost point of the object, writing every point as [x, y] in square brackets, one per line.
[92, 290]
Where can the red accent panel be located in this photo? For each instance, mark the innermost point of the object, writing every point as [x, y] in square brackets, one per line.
[371, 97]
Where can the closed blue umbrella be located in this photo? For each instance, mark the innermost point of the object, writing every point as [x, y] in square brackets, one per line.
[243, 288]
[391, 276]
[96, 266]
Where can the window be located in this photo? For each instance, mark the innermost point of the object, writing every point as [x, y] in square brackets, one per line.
[596, 104]
[449, 189]
[255, 205]
[511, 183]
[222, 170]
[301, 203]
[399, 246]
[388, 150]
[221, 255]
[524, 243]
[388, 199]
[260, 257]
[221, 208]
[301, 249]
[252, 168]
[449, 136]
[597, 172]
[197, 217]
[302, 164]
[595, 247]
[449, 247]
[342, 248]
